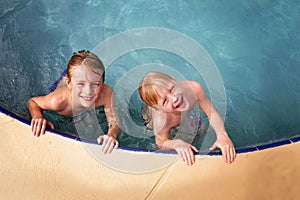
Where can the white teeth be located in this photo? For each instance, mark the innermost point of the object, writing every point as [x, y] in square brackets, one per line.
[178, 103]
[87, 98]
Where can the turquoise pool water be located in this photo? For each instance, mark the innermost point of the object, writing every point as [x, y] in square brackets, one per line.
[253, 44]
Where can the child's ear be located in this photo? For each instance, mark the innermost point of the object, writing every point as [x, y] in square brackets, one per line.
[68, 82]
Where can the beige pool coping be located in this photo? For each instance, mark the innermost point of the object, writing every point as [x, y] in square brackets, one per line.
[55, 167]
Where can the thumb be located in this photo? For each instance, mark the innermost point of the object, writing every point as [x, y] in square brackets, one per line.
[99, 139]
[194, 148]
[51, 125]
[213, 147]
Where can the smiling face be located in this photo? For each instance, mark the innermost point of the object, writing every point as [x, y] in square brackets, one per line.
[162, 92]
[171, 99]
[85, 86]
[85, 78]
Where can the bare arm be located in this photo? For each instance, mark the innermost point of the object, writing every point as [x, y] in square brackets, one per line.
[53, 101]
[38, 122]
[112, 115]
[223, 141]
[36, 105]
[161, 132]
[34, 109]
[109, 140]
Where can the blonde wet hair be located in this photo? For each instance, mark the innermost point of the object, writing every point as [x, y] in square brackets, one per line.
[86, 58]
[153, 85]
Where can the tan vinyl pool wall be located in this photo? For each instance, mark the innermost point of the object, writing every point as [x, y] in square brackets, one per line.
[55, 167]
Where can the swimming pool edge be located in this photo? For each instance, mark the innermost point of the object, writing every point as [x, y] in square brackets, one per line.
[135, 149]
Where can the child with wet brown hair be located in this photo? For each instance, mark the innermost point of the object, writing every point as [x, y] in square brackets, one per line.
[84, 90]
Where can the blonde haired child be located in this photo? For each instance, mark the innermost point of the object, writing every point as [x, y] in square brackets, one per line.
[84, 90]
[170, 102]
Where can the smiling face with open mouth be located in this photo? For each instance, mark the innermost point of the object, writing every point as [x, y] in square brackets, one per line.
[86, 85]
[172, 99]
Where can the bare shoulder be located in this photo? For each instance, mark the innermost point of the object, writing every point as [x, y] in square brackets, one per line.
[197, 88]
[195, 85]
[59, 98]
[107, 90]
[53, 101]
[106, 97]
[106, 94]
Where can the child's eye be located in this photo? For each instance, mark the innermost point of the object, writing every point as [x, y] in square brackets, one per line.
[172, 88]
[164, 101]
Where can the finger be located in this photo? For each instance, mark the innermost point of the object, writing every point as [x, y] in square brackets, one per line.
[224, 153]
[181, 156]
[100, 139]
[43, 129]
[213, 147]
[186, 158]
[230, 154]
[106, 143]
[32, 125]
[104, 147]
[110, 148]
[194, 149]
[117, 144]
[232, 150]
[34, 128]
[38, 128]
[189, 157]
[192, 157]
[51, 125]
[107, 147]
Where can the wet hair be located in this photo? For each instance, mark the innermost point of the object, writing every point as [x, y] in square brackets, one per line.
[153, 85]
[85, 57]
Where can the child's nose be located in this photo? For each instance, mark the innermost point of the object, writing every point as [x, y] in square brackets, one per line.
[88, 89]
[173, 98]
